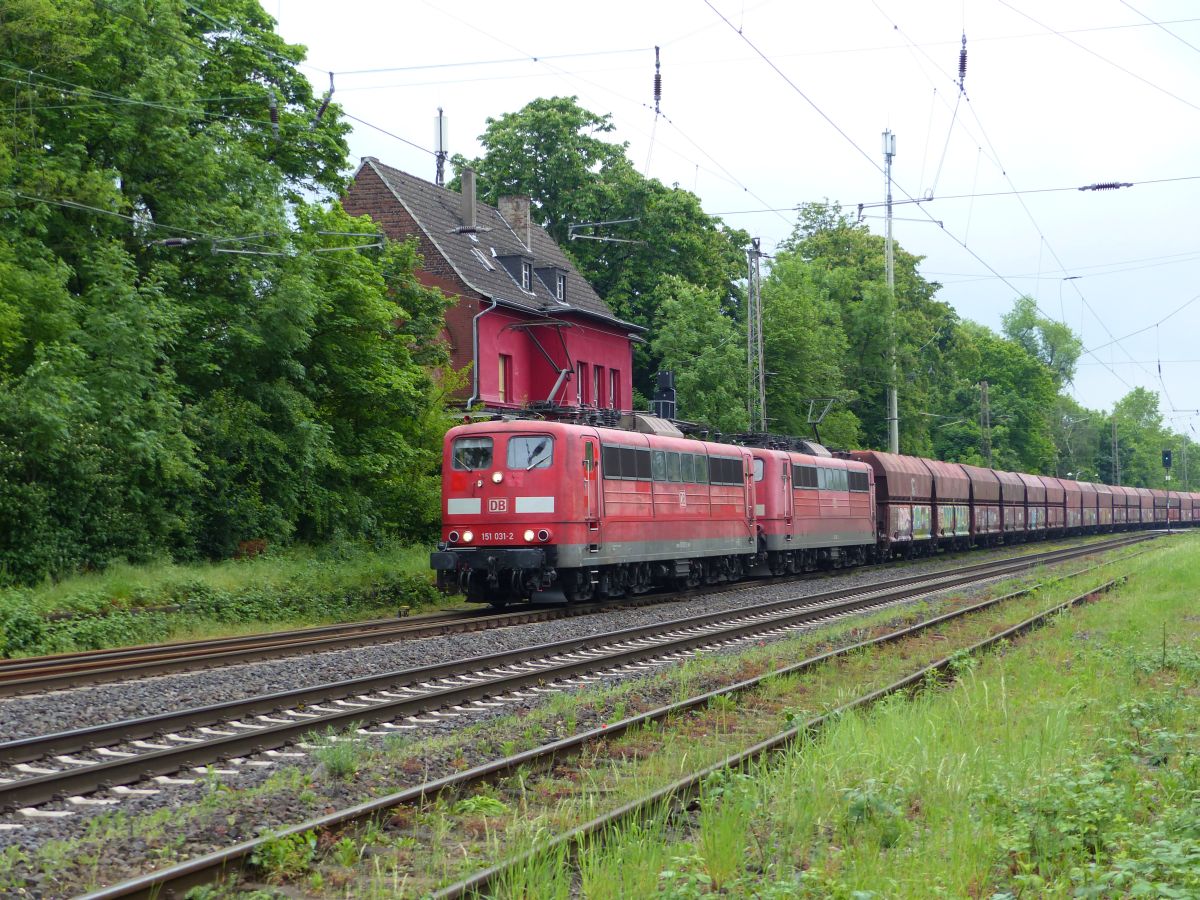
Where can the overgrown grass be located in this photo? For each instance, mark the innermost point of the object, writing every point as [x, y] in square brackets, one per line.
[1068, 766]
[287, 588]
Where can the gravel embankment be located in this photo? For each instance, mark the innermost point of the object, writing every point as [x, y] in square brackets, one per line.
[22, 717]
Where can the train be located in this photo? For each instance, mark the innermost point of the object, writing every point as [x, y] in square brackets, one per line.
[542, 509]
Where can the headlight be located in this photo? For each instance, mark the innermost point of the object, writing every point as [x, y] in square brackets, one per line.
[468, 536]
[452, 537]
[529, 534]
[497, 477]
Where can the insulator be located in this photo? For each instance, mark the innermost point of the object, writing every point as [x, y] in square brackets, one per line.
[657, 81]
[324, 104]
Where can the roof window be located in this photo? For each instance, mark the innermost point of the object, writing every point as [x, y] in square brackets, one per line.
[483, 260]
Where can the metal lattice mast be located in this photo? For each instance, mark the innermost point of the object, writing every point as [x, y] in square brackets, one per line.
[893, 402]
[756, 392]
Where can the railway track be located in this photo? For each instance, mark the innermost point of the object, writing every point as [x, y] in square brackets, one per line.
[176, 879]
[45, 768]
[71, 670]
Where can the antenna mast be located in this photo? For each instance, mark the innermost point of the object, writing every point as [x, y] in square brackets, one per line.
[440, 142]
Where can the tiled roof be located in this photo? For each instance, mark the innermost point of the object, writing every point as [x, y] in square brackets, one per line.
[474, 255]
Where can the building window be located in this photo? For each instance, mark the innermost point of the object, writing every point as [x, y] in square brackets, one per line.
[581, 384]
[504, 391]
[614, 389]
[526, 276]
[560, 288]
[598, 386]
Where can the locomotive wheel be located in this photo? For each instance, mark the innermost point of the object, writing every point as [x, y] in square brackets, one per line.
[577, 586]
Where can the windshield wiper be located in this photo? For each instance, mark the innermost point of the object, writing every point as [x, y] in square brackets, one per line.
[535, 457]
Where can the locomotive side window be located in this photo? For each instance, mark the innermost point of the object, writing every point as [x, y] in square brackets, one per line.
[643, 464]
[837, 479]
[723, 470]
[804, 477]
[701, 469]
[822, 478]
[658, 465]
[534, 451]
[472, 453]
[858, 482]
[758, 469]
[610, 457]
[672, 467]
[687, 468]
[628, 462]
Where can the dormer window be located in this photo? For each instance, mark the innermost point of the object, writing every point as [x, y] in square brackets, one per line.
[520, 269]
[555, 280]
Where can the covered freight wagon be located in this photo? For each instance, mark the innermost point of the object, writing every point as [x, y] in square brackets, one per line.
[903, 500]
[1012, 506]
[1035, 505]
[1056, 505]
[985, 505]
[951, 503]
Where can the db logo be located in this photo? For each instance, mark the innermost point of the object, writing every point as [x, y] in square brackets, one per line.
[498, 504]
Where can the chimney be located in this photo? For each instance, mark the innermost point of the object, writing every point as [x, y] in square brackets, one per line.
[468, 200]
[515, 211]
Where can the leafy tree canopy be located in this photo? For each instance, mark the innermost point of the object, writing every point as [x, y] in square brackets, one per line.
[180, 369]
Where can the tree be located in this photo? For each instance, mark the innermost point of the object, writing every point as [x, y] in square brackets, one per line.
[181, 397]
[1143, 438]
[1020, 390]
[1053, 343]
[848, 265]
[805, 349]
[706, 351]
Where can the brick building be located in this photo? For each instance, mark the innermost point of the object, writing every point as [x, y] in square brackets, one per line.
[529, 325]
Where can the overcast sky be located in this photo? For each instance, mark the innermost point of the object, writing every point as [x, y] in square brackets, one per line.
[767, 104]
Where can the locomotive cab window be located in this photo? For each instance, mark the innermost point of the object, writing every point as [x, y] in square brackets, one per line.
[858, 482]
[471, 453]
[758, 469]
[535, 451]
[701, 469]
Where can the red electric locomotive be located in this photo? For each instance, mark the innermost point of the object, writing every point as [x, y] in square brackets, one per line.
[532, 507]
[812, 510]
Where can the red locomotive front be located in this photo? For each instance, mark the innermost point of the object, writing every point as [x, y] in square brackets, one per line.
[514, 495]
